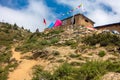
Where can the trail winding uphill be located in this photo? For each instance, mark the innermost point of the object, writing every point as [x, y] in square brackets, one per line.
[24, 69]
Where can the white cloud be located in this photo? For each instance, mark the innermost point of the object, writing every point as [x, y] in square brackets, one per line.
[95, 12]
[30, 17]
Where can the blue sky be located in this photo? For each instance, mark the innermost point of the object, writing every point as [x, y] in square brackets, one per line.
[14, 4]
[30, 13]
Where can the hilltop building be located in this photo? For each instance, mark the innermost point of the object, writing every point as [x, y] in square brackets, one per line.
[78, 20]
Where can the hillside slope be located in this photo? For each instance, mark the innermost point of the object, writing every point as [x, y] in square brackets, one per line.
[73, 48]
[9, 36]
[58, 54]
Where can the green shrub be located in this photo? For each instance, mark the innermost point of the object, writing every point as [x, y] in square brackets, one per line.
[101, 53]
[55, 53]
[45, 42]
[75, 63]
[54, 40]
[26, 47]
[51, 58]
[55, 31]
[103, 39]
[69, 42]
[60, 60]
[74, 46]
[39, 74]
[32, 40]
[74, 55]
[92, 70]
[64, 72]
[5, 57]
[3, 74]
[114, 67]
[13, 65]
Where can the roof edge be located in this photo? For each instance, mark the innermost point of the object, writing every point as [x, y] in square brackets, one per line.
[108, 25]
[76, 15]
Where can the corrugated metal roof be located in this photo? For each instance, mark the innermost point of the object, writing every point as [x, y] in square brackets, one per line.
[107, 25]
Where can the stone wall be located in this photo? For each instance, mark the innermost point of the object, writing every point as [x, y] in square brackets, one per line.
[80, 20]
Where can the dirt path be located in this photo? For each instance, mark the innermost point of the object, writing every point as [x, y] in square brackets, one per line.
[15, 54]
[23, 71]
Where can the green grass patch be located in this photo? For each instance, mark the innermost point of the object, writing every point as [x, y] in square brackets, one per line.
[71, 43]
[91, 70]
[74, 63]
[74, 55]
[102, 53]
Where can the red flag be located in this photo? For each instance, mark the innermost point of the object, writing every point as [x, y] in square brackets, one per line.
[44, 21]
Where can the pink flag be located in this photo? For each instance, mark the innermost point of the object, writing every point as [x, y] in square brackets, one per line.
[58, 23]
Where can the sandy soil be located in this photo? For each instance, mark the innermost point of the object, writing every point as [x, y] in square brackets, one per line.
[24, 70]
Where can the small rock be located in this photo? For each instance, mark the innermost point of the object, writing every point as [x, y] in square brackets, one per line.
[111, 76]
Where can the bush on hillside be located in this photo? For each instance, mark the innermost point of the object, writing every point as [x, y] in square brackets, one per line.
[39, 74]
[54, 40]
[27, 47]
[8, 36]
[36, 43]
[71, 43]
[3, 73]
[114, 67]
[56, 31]
[74, 55]
[5, 57]
[60, 60]
[74, 63]
[91, 70]
[44, 42]
[55, 53]
[103, 39]
[101, 53]
[64, 72]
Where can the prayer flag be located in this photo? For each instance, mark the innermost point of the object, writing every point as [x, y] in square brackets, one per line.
[44, 21]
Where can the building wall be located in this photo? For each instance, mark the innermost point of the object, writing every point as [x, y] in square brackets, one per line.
[110, 27]
[85, 22]
[79, 21]
[68, 22]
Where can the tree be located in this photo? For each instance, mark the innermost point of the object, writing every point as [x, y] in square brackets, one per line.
[37, 30]
[15, 26]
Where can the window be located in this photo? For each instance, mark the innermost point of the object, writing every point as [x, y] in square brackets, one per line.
[86, 20]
